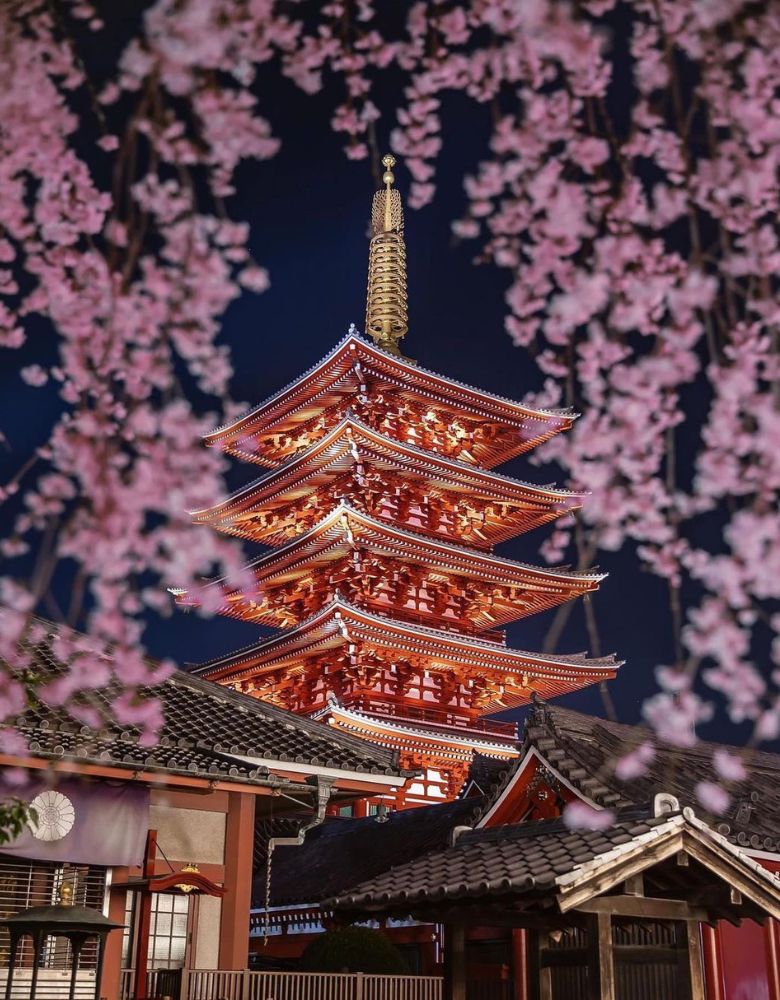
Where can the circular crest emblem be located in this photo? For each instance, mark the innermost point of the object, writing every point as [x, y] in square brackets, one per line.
[56, 816]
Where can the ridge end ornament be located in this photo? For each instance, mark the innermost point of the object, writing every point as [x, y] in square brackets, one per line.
[387, 317]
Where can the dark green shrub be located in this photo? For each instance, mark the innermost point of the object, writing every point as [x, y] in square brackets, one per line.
[353, 949]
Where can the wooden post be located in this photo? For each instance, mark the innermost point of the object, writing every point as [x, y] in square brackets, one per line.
[454, 962]
[601, 967]
[144, 918]
[520, 963]
[539, 975]
[694, 961]
[110, 986]
[713, 968]
[237, 902]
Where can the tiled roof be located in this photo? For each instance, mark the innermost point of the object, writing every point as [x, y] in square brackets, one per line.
[486, 775]
[504, 860]
[343, 851]
[207, 728]
[584, 749]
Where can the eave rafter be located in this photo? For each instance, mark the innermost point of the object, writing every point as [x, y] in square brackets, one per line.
[395, 481]
[377, 565]
[356, 370]
[511, 675]
[412, 736]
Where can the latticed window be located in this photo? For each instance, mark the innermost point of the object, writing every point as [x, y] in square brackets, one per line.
[168, 932]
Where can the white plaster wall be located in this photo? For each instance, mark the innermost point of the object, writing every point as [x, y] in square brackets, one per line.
[189, 834]
[207, 939]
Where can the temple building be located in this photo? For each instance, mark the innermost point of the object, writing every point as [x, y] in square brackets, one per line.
[380, 508]
[498, 862]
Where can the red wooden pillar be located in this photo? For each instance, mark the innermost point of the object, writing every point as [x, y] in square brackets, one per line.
[713, 962]
[772, 938]
[237, 902]
[144, 919]
[520, 963]
[112, 958]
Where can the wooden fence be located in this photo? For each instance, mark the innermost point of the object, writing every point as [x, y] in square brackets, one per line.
[202, 984]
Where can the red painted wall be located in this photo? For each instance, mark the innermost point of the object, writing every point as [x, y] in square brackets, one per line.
[744, 961]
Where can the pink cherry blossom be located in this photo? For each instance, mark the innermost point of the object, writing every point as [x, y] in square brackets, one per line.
[578, 815]
[713, 797]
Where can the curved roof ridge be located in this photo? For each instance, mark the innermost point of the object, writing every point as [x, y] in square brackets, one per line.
[352, 335]
[346, 509]
[339, 603]
[350, 420]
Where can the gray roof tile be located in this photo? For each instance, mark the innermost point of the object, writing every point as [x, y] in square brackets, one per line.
[518, 859]
[206, 728]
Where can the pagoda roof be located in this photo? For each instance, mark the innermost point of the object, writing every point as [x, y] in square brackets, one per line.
[459, 742]
[337, 452]
[344, 369]
[340, 623]
[338, 533]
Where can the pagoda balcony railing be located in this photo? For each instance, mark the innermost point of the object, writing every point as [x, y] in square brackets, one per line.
[435, 717]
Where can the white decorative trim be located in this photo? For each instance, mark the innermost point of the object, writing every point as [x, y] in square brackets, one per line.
[393, 781]
[533, 752]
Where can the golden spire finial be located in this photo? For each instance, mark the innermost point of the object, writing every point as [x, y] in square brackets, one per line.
[387, 319]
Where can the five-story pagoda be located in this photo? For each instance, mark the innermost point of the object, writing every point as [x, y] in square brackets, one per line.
[380, 510]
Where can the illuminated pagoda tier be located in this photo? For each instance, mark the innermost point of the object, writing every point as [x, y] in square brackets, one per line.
[379, 511]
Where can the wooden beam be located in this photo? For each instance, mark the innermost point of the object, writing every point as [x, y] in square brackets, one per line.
[750, 885]
[601, 967]
[485, 917]
[695, 963]
[645, 907]
[539, 975]
[604, 878]
[635, 885]
[648, 954]
[551, 958]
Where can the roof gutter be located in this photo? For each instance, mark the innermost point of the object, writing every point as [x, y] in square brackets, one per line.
[324, 790]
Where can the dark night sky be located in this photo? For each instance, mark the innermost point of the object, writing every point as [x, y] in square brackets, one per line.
[308, 210]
